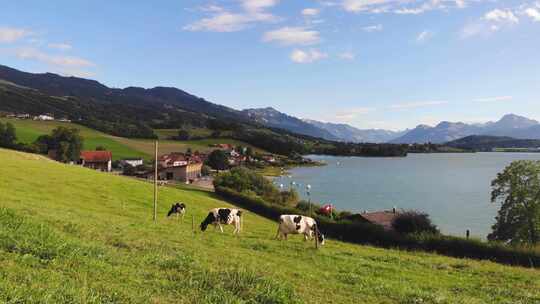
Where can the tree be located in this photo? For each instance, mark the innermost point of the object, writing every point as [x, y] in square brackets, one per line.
[414, 222]
[183, 135]
[218, 160]
[8, 137]
[517, 188]
[66, 142]
[101, 148]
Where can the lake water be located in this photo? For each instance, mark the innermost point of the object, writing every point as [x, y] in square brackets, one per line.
[454, 189]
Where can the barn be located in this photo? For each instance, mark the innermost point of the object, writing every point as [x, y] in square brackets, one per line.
[97, 160]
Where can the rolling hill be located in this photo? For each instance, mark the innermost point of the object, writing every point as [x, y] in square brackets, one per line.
[488, 143]
[29, 130]
[73, 235]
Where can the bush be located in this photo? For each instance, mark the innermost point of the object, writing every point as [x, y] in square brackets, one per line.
[243, 180]
[414, 222]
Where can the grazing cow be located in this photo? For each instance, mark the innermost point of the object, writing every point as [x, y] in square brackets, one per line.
[298, 224]
[223, 216]
[178, 209]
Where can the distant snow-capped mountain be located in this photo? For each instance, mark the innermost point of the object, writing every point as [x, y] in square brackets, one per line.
[510, 125]
[341, 132]
[349, 133]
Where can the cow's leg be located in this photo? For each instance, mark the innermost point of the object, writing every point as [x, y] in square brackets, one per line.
[220, 228]
[237, 225]
[278, 234]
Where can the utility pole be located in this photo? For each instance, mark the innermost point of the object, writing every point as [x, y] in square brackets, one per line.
[155, 179]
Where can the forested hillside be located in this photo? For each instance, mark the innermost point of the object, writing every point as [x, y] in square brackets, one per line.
[136, 112]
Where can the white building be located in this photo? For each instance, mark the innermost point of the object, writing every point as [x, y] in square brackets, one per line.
[135, 162]
[44, 117]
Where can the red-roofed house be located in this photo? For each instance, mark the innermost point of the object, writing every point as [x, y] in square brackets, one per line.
[381, 218]
[179, 167]
[98, 160]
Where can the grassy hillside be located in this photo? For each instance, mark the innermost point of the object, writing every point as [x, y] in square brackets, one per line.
[29, 130]
[72, 235]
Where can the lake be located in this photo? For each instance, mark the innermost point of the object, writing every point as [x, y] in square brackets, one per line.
[454, 189]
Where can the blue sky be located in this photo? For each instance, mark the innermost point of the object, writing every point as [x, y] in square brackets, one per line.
[370, 63]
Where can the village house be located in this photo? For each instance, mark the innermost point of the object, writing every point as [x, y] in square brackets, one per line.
[97, 160]
[381, 218]
[269, 158]
[22, 116]
[44, 117]
[134, 162]
[180, 167]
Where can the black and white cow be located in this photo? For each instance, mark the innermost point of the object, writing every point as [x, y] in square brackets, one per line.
[298, 224]
[178, 209]
[223, 216]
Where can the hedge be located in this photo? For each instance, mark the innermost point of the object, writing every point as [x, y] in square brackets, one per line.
[374, 235]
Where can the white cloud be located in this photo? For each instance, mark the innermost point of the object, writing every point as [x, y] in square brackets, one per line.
[373, 28]
[309, 56]
[222, 20]
[347, 56]
[502, 16]
[60, 46]
[494, 99]
[475, 29]
[348, 115]
[292, 36]
[420, 104]
[61, 61]
[258, 5]
[491, 22]
[310, 12]
[461, 4]
[9, 34]
[414, 7]
[356, 6]
[424, 36]
[533, 13]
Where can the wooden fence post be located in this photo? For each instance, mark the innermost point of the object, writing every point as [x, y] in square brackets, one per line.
[155, 179]
[316, 237]
[193, 223]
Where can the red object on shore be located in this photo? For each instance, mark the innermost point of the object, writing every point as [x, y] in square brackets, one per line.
[326, 209]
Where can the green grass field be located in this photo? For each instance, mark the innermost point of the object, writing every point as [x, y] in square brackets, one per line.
[29, 130]
[73, 235]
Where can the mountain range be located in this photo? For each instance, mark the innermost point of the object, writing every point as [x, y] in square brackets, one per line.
[349, 133]
[134, 111]
[510, 125]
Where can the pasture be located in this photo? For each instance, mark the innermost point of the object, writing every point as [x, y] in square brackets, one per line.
[29, 130]
[73, 235]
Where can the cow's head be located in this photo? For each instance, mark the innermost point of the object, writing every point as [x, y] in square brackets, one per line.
[320, 237]
[207, 221]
